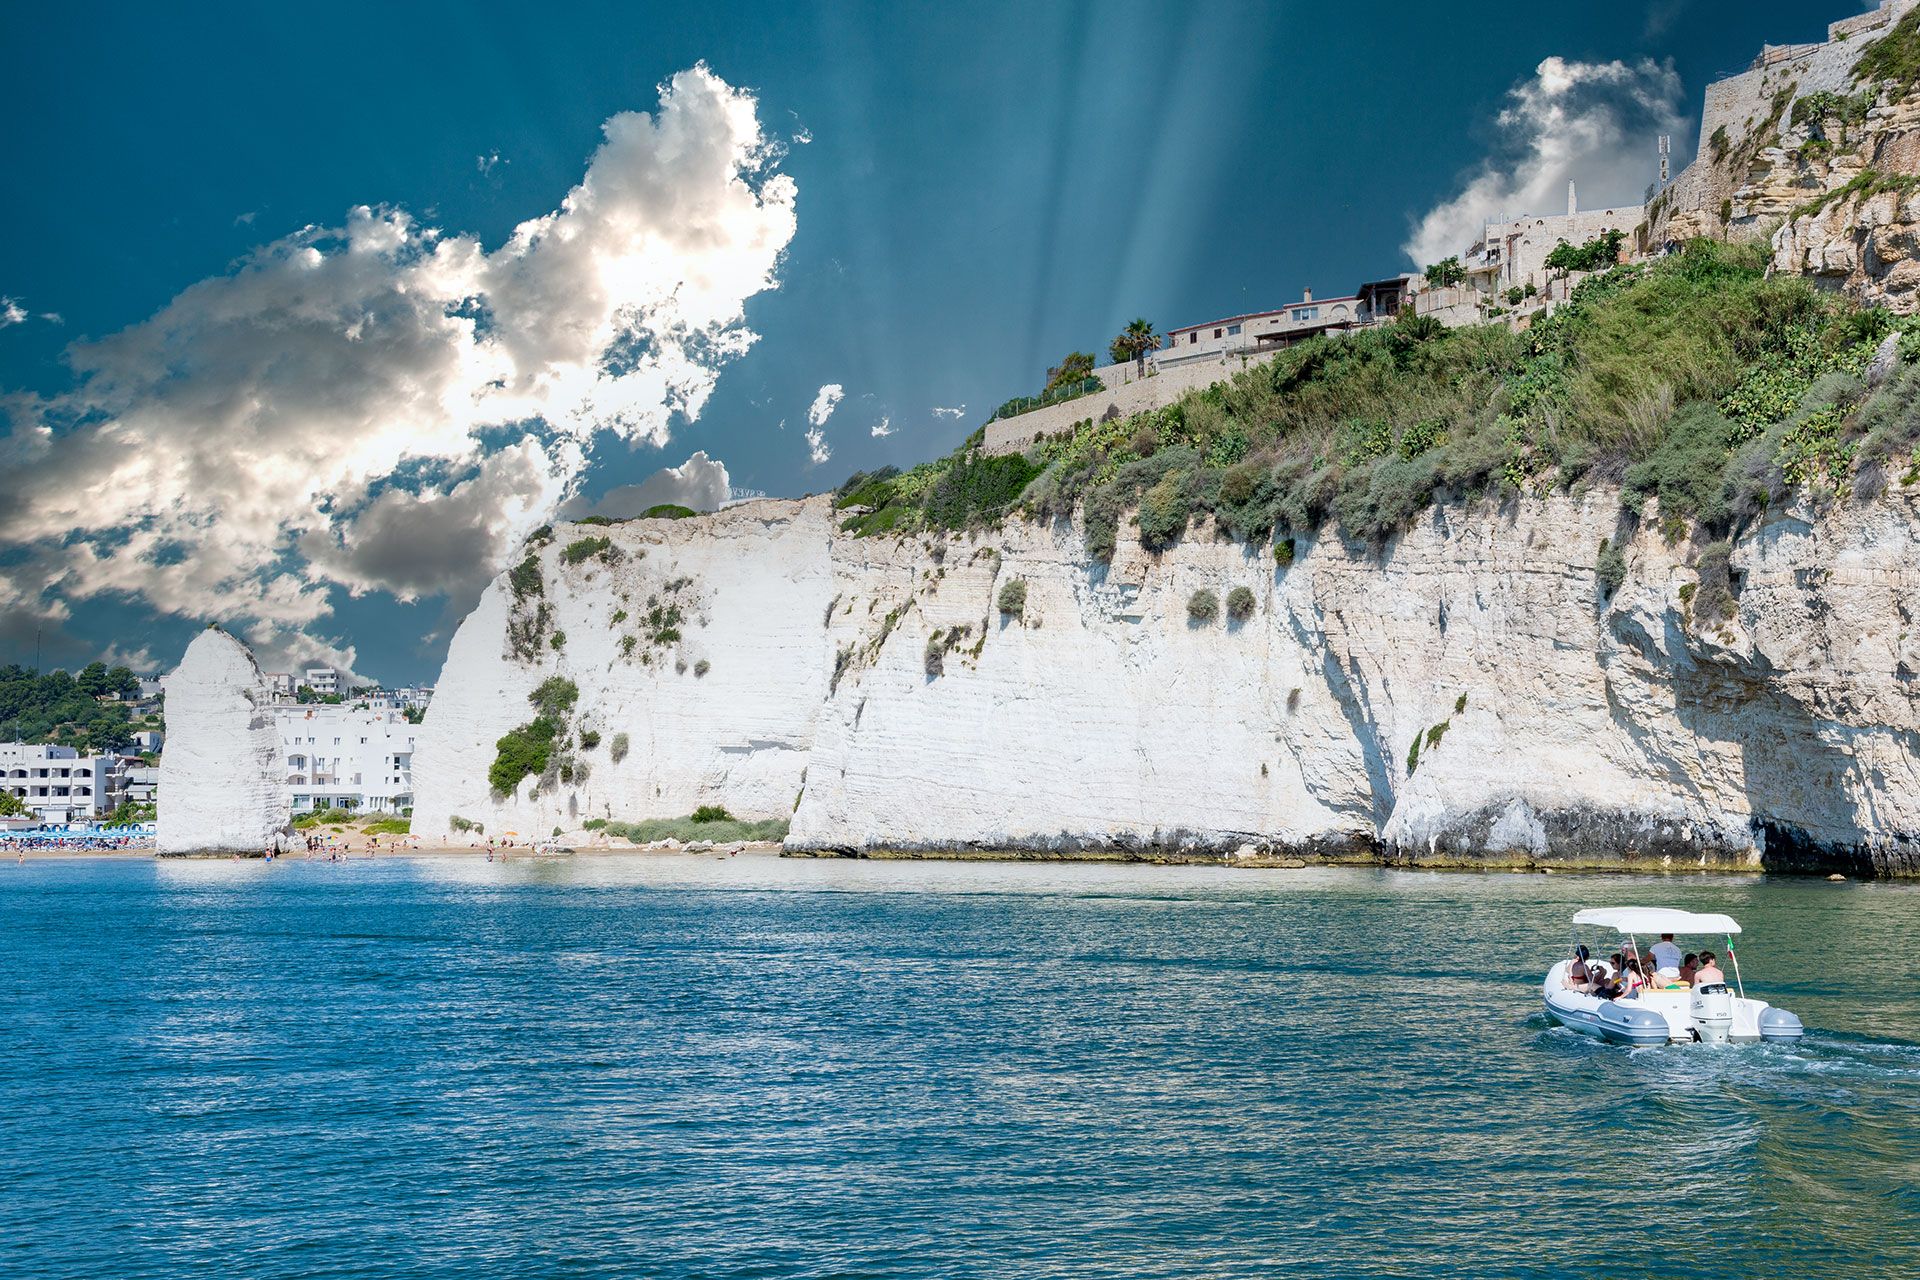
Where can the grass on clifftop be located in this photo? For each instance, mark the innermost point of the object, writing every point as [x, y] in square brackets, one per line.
[1695, 378]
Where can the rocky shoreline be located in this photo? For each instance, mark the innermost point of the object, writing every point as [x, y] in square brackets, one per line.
[1254, 859]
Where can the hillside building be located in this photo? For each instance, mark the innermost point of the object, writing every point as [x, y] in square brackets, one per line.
[345, 757]
[1514, 254]
[1259, 331]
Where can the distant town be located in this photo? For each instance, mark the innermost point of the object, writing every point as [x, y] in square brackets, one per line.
[82, 761]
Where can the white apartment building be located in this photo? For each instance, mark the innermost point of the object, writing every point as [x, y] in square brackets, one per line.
[143, 783]
[407, 697]
[321, 680]
[59, 784]
[339, 756]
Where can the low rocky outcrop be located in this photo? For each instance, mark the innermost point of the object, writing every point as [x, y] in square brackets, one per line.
[1468, 695]
[221, 790]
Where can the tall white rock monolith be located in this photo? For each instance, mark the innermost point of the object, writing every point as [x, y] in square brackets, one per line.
[220, 784]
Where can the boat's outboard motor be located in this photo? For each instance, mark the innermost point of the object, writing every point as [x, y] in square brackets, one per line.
[1712, 1012]
[1777, 1026]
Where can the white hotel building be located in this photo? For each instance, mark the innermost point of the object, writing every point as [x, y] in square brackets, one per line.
[338, 756]
[58, 784]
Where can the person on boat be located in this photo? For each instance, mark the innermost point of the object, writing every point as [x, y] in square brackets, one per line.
[1687, 967]
[1579, 977]
[1632, 980]
[1665, 954]
[1709, 973]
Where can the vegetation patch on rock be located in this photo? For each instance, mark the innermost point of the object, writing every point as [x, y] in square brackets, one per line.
[728, 830]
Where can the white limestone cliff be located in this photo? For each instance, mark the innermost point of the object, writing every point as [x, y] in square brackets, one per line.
[221, 790]
[1555, 726]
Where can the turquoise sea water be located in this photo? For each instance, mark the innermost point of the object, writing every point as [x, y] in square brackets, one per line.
[765, 1068]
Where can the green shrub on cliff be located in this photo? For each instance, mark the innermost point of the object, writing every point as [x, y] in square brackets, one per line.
[1203, 606]
[521, 753]
[1013, 597]
[1894, 59]
[1240, 604]
[555, 697]
[687, 830]
[527, 750]
[524, 580]
[1609, 569]
[581, 548]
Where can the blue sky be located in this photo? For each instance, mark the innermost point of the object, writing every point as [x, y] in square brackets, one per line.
[981, 189]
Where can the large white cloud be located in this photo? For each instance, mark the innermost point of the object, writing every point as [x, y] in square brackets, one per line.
[1595, 123]
[386, 407]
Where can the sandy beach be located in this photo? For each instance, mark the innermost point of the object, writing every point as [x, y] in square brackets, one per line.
[389, 847]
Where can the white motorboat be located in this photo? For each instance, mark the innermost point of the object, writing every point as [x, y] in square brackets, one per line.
[1673, 1012]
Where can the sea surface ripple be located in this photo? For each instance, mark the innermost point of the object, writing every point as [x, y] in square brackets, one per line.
[753, 1067]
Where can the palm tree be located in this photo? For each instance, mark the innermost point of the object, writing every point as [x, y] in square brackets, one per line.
[1134, 342]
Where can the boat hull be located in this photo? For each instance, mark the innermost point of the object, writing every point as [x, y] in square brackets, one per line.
[1661, 1017]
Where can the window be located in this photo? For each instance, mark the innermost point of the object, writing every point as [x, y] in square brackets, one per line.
[1216, 333]
[1193, 337]
[1305, 313]
[1233, 331]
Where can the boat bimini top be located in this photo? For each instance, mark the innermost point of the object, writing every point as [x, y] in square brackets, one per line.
[1655, 920]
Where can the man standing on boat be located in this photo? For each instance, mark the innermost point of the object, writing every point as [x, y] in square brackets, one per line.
[1665, 954]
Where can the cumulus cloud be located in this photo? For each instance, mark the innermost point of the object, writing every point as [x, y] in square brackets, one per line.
[439, 541]
[817, 448]
[700, 482]
[940, 412]
[383, 406]
[884, 427]
[824, 403]
[11, 313]
[1592, 122]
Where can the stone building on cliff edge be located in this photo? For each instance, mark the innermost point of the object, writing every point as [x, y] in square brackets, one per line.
[1810, 146]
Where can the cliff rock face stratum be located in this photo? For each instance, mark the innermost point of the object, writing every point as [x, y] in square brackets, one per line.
[870, 690]
[220, 785]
